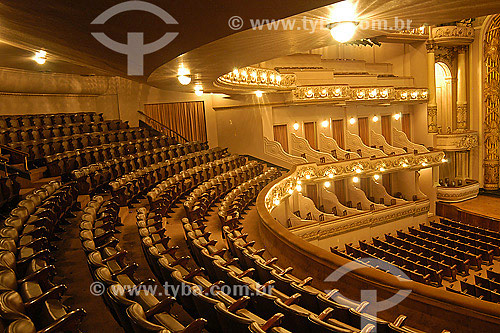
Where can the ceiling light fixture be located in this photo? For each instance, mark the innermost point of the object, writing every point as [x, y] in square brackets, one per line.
[183, 76]
[198, 90]
[40, 57]
[344, 22]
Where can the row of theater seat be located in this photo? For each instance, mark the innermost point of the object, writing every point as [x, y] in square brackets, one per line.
[205, 195]
[229, 313]
[144, 177]
[202, 297]
[39, 120]
[37, 134]
[30, 301]
[41, 152]
[61, 164]
[237, 200]
[440, 249]
[164, 195]
[96, 177]
[132, 304]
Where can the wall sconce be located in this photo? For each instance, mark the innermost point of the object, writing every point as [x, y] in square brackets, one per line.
[352, 121]
[375, 119]
[327, 184]
[397, 116]
[355, 179]
[296, 126]
[325, 123]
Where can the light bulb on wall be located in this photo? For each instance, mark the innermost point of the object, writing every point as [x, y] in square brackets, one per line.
[376, 177]
[324, 124]
[397, 116]
[328, 184]
[296, 126]
[40, 57]
[375, 119]
[355, 179]
[352, 121]
[259, 93]
[298, 188]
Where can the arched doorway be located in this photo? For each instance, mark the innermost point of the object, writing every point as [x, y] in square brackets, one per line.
[444, 97]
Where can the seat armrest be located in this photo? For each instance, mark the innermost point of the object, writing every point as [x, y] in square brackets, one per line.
[67, 323]
[53, 293]
[162, 306]
[272, 322]
[42, 274]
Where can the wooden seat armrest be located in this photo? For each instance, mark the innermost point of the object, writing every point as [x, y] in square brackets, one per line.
[331, 293]
[117, 256]
[242, 236]
[53, 293]
[247, 244]
[271, 261]
[67, 323]
[42, 274]
[326, 314]
[292, 299]
[181, 261]
[239, 304]
[210, 289]
[129, 269]
[362, 306]
[196, 272]
[162, 306]
[307, 281]
[259, 252]
[195, 326]
[111, 243]
[248, 272]
[272, 322]
[171, 251]
[219, 252]
[230, 262]
[266, 285]
[400, 320]
[285, 271]
[213, 242]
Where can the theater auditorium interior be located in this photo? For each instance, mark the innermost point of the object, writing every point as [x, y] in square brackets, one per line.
[250, 166]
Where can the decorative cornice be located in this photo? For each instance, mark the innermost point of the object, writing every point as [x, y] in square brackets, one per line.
[457, 141]
[360, 94]
[453, 35]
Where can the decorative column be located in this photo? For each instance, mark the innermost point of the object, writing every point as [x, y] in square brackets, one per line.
[431, 83]
[491, 105]
[462, 111]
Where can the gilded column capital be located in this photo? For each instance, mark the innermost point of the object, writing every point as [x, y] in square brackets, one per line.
[430, 46]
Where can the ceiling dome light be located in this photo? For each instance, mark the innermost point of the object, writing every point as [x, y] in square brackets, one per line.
[183, 76]
[343, 32]
[344, 23]
[258, 93]
[198, 90]
[40, 57]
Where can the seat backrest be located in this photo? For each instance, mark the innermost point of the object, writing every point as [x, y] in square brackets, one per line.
[231, 322]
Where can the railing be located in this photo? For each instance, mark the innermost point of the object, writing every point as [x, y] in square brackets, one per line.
[163, 128]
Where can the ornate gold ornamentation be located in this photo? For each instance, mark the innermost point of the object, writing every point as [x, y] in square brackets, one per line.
[432, 119]
[492, 104]
[252, 78]
[462, 115]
